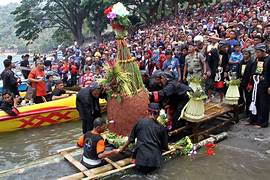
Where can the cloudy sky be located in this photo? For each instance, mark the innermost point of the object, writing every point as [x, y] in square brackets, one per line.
[5, 2]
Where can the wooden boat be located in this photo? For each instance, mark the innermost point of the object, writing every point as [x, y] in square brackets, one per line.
[37, 115]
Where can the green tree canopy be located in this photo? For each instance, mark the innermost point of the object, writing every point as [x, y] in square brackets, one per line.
[33, 16]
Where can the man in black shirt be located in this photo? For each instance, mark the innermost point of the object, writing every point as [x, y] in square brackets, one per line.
[172, 96]
[10, 82]
[152, 139]
[59, 92]
[25, 64]
[9, 105]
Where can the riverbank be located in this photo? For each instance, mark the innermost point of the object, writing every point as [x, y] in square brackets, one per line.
[241, 156]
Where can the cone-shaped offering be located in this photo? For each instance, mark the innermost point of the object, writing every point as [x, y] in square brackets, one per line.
[195, 106]
[232, 95]
[127, 100]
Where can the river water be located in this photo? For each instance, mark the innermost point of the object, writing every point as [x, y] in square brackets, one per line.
[239, 157]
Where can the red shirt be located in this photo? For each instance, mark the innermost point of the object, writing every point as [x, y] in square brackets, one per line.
[40, 86]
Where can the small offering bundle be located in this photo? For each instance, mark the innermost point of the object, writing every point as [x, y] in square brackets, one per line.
[232, 95]
[195, 106]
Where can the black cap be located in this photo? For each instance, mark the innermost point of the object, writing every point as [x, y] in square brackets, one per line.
[261, 47]
[223, 43]
[153, 107]
[94, 85]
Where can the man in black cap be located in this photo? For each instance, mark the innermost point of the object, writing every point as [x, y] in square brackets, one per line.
[173, 97]
[261, 87]
[152, 139]
[87, 103]
[10, 82]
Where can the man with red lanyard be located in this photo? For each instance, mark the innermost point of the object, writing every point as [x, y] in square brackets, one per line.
[37, 79]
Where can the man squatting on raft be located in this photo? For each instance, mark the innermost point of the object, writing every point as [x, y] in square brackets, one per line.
[94, 145]
[152, 139]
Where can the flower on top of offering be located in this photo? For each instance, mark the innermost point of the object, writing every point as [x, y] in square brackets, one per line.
[195, 82]
[118, 16]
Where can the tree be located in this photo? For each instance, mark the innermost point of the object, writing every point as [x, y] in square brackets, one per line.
[96, 19]
[33, 16]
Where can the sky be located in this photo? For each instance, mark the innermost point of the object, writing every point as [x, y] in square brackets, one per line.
[5, 2]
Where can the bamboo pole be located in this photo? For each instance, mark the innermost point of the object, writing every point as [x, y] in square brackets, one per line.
[123, 168]
[76, 163]
[98, 170]
[112, 163]
[67, 149]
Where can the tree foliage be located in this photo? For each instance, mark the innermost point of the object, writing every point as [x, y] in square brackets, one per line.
[33, 16]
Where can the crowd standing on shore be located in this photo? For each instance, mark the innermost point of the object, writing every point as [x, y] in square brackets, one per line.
[210, 43]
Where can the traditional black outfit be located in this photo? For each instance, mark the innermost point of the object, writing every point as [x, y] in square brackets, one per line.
[260, 98]
[151, 138]
[88, 107]
[173, 97]
[246, 72]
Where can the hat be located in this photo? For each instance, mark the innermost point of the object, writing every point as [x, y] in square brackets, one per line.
[94, 85]
[261, 47]
[222, 43]
[198, 38]
[154, 107]
[248, 50]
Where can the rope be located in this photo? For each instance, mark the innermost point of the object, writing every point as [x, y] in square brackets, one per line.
[252, 106]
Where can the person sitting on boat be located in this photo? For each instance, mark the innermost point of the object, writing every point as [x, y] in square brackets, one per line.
[37, 79]
[59, 92]
[152, 139]
[10, 104]
[94, 145]
[49, 85]
[172, 96]
[10, 82]
[87, 103]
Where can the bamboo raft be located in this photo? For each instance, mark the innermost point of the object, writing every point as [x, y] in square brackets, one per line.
[114, 167]
[213, 112]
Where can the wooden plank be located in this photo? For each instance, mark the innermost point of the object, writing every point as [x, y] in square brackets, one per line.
[122, 168]
[76, 163]
[110, 172]
[97, 170]
[177, 131]
[112, 163]
[67, 149]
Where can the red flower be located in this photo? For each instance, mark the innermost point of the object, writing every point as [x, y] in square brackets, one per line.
[108, 10]
[210, 152]
[210, 145]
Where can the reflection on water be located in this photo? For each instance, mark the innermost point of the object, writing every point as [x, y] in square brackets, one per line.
[20, 147]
